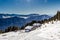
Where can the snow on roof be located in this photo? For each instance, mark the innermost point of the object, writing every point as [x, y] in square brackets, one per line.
[36, 24]
[29, 27]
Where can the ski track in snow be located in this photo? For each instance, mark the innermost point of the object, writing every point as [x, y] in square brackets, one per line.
[47, 31]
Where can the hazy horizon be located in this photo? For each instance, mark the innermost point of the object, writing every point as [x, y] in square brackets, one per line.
[49, 7]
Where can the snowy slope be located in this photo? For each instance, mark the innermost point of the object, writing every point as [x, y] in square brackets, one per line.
[47, 31]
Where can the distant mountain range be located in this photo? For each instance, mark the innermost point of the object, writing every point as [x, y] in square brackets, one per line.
[7, 20]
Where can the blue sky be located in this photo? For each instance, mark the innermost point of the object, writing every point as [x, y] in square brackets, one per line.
[30, 6]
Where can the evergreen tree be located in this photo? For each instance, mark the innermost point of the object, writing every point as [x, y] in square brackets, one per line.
[12, 28]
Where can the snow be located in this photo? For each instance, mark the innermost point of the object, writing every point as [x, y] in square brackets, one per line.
[29, 27]
[47, 31]
[36, 24]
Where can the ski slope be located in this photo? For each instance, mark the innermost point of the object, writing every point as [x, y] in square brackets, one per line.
[48, 31]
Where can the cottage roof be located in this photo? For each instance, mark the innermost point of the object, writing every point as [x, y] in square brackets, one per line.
[36, 24]
[29, 27]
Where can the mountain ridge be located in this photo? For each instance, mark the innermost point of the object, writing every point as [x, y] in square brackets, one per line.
[18, 20]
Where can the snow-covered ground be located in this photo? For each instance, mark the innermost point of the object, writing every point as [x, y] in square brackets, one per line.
[48, 31]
